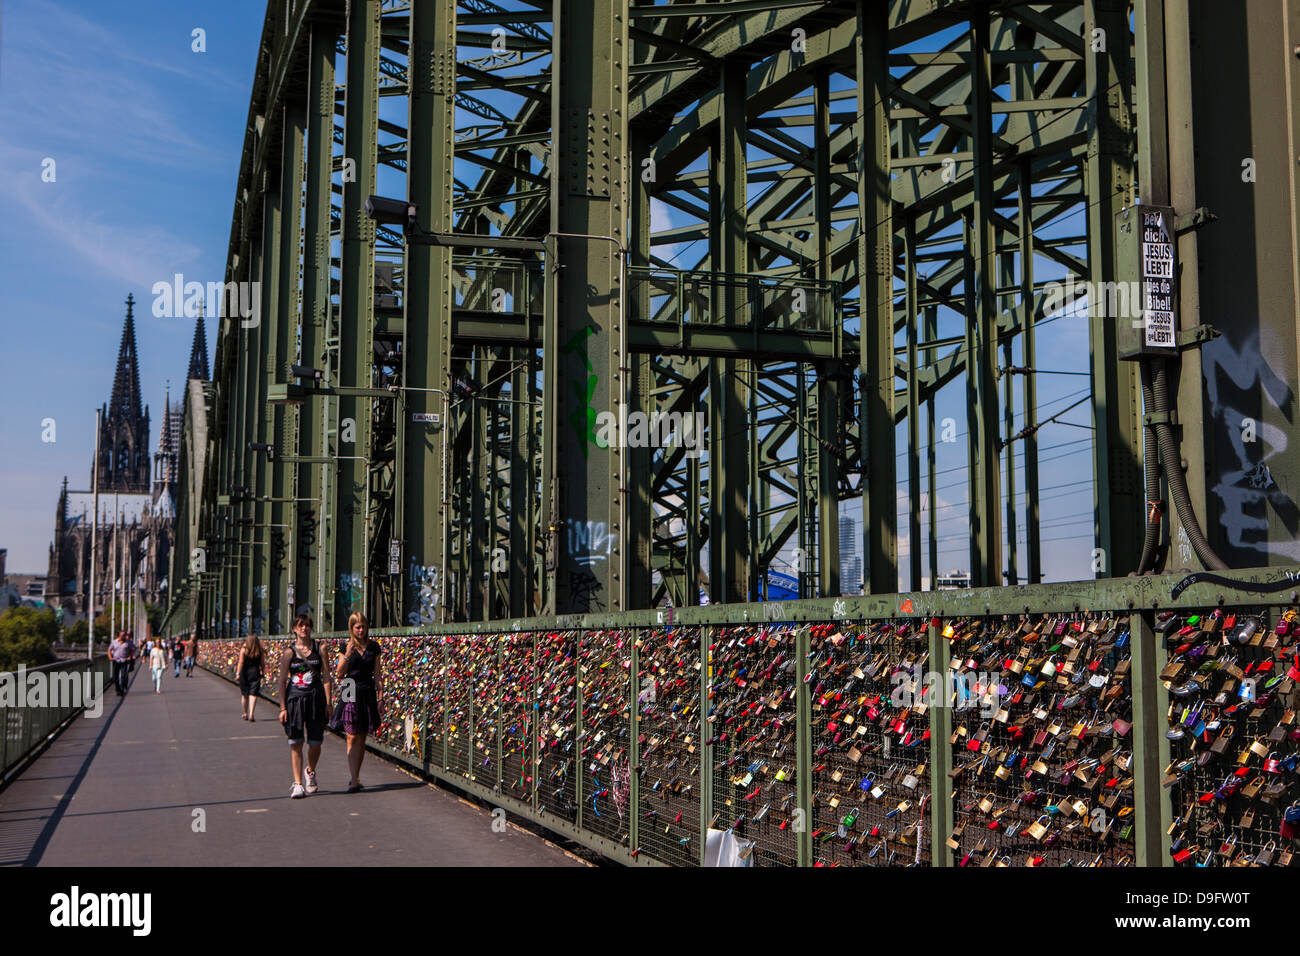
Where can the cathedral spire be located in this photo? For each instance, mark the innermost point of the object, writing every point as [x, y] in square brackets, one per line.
[124, 429]
[126, 384]
[199, 351]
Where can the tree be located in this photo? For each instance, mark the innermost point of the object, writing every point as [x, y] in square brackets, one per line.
[25, 637]
[77, 633]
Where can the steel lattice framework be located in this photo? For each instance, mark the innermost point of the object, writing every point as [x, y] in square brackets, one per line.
[798, 220]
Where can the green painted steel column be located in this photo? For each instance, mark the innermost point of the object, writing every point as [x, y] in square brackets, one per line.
[1149, 743]
[913, 416]
[284, 510]
[522, 512]
[315, 556]
[585, 353]
[475, 544]
[250, 368]
[233, 387]
[356, 309]
[427, 323]
[830, 441]
[1033, 546]
[1117, 460]
[270, 318]
[941, 785]
[982, 357]
[930, 331]
[875, 291]
[640, 476]
[729, 424]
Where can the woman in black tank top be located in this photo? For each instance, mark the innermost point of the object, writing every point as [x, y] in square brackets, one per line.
[304, 697]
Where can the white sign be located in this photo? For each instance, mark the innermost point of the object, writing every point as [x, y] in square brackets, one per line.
[1159, 318]
[395, 556]
[430, 418]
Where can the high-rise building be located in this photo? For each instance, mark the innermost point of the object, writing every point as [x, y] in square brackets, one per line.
[851, 565]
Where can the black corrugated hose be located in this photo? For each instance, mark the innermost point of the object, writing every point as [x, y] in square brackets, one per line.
[1151, 469]
[1172, 462]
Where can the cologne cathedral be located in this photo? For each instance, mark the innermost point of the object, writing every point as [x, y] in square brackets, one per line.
[137, 496]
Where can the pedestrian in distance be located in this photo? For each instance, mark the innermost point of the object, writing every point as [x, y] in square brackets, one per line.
[360, 689]
[120, 654]
[191, 653]
[157, 664]
[178, 655]
[304, 703]
[249, 668]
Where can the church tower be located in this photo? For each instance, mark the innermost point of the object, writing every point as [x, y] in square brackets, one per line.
[124, 463]
[199, 351]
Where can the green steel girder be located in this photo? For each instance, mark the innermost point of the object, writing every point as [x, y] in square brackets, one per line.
[718, 98]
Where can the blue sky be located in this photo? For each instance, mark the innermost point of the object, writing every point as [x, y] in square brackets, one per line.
[145, 134]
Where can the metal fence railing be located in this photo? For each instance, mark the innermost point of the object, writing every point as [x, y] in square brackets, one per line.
[1108, 723]
[36, 703]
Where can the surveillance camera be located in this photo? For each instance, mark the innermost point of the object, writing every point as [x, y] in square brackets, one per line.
[305, 371]
[395, 212]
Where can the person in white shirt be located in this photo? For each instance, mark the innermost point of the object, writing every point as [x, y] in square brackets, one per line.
[157, 664]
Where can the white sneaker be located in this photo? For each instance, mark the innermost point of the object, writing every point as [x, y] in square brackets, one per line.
[297, 791]
[311, 782]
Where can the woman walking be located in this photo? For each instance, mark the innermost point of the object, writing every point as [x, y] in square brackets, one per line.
[304, 693]
[249, 669]
[359, 713]
[157, 664]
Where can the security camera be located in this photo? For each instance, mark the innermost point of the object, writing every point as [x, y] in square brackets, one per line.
[394, 212]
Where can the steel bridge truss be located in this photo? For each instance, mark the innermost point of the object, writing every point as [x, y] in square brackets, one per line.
[677, 276]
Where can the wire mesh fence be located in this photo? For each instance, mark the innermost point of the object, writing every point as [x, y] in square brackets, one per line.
[1233, 737]
[36, 702]
[975, 740]
[1042, 763]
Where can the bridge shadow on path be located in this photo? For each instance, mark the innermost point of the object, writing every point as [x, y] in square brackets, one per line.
[179, 779]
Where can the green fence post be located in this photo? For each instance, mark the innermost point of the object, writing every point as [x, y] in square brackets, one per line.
[579, 764]
[634, 744]
[706, 735]
[803, 747]
[941, 786]
[1150, 746]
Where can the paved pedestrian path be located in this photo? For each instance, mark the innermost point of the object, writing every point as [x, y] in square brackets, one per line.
[179, 779]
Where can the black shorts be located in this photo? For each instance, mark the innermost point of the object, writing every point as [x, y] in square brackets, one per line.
[250, 683]
[305, 718]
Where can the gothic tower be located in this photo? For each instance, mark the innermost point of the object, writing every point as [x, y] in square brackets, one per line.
[124, 431]
[199, 351]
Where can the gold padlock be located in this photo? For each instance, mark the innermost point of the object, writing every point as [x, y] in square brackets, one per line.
[1038, 829]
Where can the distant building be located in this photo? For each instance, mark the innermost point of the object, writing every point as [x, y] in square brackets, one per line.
[851, 564]
[952, 581]
[137, 497]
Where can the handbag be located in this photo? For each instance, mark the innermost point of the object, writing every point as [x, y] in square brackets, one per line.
[336, 719]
